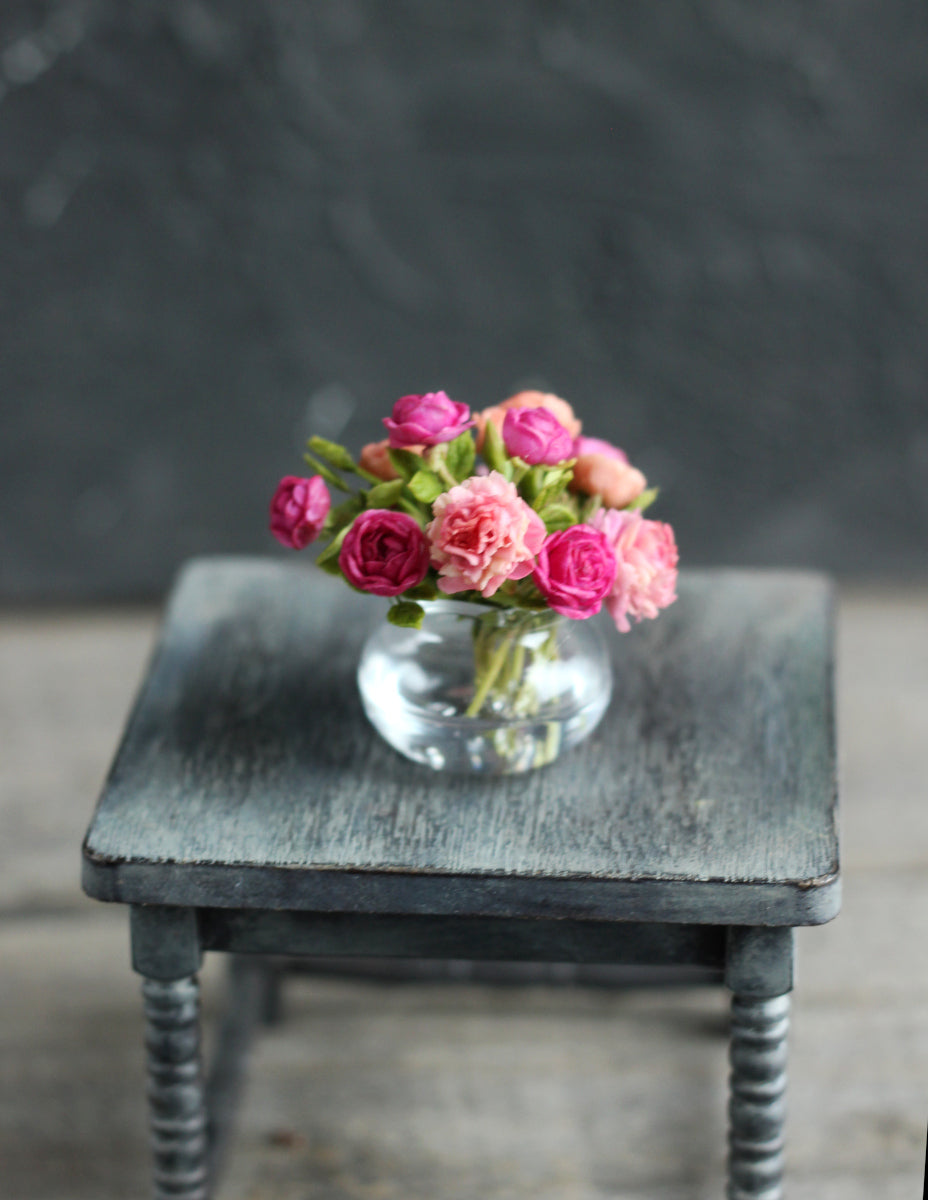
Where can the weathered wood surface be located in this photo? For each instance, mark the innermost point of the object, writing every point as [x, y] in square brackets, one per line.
[248, 775]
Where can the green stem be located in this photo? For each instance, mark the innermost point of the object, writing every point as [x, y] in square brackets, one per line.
[435, 458]
[492, 670]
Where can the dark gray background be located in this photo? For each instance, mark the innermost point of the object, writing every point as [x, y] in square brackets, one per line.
[224, 226]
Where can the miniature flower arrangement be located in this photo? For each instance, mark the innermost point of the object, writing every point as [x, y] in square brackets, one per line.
[512, 510]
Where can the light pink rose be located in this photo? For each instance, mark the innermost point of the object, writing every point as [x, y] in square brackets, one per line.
[587, 445]
[426, 420]
[575, 571]
[384, 552]
[646, 565]
[554, 404]
[483, 534]
[536, 436]
[298, 510]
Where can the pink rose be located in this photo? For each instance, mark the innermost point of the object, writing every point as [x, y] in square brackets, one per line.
[426, 420]
[298, 510]
[646, 570]
[536, 436]
[483, 534]
[584, 446]
[384, 552]
[554, 404]
[608, 476]
[575, 571]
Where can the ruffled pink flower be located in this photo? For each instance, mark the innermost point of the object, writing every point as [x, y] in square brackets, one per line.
[384, 552]
[536, 436]
[298, 510]
[426, 420]
[575, 571]
[483, 533]
[646, 565]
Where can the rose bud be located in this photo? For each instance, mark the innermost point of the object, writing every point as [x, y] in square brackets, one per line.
[536, 436]
[426, 421]
[554, 404]
[298, 510]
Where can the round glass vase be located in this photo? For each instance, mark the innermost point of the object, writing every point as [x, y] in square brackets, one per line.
[488, 690]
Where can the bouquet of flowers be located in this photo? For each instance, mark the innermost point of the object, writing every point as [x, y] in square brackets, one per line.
[512, 508]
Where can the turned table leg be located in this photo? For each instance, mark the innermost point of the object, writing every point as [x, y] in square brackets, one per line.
[166, 952]
[759, 968]
[176, 1094]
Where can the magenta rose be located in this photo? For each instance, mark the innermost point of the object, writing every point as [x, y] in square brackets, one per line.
[575, 571]
[384, 552]
[483, 534]
[536, 436]
[646, 565]
[298, 510]
[427, 420]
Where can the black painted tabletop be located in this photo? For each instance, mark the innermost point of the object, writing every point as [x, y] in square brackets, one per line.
[248, 775]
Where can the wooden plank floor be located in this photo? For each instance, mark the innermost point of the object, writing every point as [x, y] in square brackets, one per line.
[370, 1091]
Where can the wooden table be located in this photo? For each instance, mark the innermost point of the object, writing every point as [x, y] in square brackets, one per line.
[251, 809]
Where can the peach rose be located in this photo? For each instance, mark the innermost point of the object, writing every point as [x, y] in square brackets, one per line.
[616, 481]
[375, 459]
[483, 533]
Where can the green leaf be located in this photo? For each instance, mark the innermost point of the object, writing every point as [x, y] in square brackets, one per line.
[343, 514]
[419, 512]
[589, 506]
[426, 486]
[407, 614]
[551, 487]
[406, 463]
[331, 567]
[337, 455]
[532, 484]
[426, 590]
[494, 451]
[331, 552]
[558, 516]
[460, 456]
[385, 495]
[645, 500]
[327, 474]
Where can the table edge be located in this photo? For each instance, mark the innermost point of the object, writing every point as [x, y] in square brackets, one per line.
[688, 901]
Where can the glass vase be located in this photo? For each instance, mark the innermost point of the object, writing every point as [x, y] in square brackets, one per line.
[480, 689]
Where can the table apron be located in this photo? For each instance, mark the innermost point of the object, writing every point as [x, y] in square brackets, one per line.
[244, 931]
